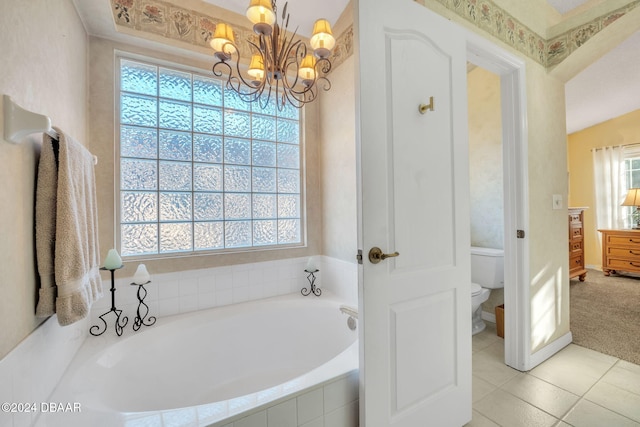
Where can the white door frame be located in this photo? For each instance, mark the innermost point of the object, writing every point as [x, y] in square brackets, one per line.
[517, 299]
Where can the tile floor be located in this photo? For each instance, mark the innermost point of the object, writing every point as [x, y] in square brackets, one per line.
[576, 387]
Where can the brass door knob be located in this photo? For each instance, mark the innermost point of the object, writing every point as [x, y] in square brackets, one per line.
[376, 255]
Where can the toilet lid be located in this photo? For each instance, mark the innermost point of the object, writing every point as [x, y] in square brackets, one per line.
[475, 289]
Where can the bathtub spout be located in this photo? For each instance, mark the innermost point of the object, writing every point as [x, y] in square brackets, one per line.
[351, 311]
[353, 315]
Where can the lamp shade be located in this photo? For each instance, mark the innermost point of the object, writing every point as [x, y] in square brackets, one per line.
[261, 12]
[307, 70]
[256, 67]
[633, 197]
[223, 39]
[322, 40]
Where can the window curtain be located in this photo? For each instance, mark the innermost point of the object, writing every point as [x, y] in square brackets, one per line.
[609, 186]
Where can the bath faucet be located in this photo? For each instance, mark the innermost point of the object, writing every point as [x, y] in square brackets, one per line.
[353, 315]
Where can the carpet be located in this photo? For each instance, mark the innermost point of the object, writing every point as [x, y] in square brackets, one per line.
[605, 314]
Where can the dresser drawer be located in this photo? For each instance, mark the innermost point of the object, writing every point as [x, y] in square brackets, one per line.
[576, 246]
[575, 217]
[577, 262]
[626, 253]
[623, 264]
[575, 232]
[623, 241]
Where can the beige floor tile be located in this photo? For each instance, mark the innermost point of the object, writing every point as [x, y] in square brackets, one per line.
[541, 394]
[588, 414]
[616, 399]
[484, 339]
[507, 410]
[491, 369]
[624, 376]
[575, 369]
[480, 420]
[628, 366]
[562, 424]
[480, 388]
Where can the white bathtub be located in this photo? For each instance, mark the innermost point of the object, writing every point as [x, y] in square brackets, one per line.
[209, 365]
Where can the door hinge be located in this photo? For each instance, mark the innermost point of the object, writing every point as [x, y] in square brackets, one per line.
[520, 234]
[359, 256]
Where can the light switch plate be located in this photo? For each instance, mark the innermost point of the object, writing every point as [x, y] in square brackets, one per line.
[557, 201]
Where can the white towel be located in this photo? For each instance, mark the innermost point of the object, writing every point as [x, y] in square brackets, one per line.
[77, 283]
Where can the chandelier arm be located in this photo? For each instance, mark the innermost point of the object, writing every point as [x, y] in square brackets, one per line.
[291, 60]
[324, 65]
[254, 92]
[219, 73]
[326, 84]
[299, 98]
[241, 81]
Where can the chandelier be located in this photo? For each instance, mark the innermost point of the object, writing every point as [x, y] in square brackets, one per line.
[279, 64]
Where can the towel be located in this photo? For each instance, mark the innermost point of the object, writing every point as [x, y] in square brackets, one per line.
[46, 188]
[69, 229]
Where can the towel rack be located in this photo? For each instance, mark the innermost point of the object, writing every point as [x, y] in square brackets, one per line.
[18, 123]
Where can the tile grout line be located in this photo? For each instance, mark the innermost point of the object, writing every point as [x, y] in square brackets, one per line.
[583, 396]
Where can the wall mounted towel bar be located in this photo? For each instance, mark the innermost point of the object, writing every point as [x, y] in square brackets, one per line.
[18, 123]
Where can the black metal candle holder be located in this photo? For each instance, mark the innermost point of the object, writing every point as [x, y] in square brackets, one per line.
[119, 318]
[141, 319]
[311, 277]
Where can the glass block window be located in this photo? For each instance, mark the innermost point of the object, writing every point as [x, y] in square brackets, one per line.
[202, 170]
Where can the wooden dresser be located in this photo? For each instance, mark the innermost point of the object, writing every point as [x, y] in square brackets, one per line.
[620, 251]
[576, 244]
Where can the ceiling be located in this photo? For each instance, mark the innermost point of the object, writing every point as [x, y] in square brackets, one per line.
[606, 89]
[303, 12]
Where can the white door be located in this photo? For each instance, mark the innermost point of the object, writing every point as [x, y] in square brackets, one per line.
[415, 340]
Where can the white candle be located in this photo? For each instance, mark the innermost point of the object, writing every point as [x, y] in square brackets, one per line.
[311, 265]
[113, 260]
[141, 276]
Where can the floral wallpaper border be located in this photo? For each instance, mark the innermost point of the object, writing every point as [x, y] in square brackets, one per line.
[168, 20]
[177, 23]
[499, 23]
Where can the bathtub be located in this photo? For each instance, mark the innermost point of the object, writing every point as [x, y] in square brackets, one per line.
[209, 367]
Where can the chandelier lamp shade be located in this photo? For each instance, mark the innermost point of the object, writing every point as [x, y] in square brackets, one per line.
[633, 199]
[281, 65]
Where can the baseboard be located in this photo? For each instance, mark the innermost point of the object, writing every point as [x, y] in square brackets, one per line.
[546, 352]
[489, 317]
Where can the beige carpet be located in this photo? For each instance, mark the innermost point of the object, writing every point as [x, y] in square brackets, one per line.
[605, 314]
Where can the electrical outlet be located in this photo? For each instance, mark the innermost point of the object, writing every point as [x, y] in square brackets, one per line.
[557, 201]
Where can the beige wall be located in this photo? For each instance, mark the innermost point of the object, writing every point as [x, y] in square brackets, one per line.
[485, 167]
[622, 130]
[547, 233]
[44, 62]
[102, 136]
[338, 162]
[485, 159]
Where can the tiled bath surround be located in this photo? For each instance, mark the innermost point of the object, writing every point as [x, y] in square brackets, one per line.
[186, 291]
[30, 372]
[333, 404]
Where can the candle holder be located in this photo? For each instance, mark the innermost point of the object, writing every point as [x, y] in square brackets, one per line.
[311, 277]
[141, 319]
[121, 321]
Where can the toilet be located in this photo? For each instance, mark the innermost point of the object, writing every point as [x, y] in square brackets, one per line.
[487, 272]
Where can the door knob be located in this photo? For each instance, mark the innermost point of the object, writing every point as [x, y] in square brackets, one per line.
[376, 255]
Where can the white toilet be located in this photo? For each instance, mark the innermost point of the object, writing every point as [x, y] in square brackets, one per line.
[487, 272]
